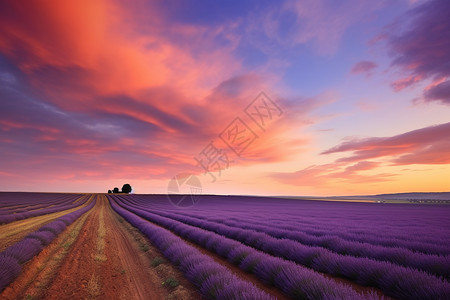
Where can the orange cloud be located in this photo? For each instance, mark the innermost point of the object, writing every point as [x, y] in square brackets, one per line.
[429, 145]
[76, 52]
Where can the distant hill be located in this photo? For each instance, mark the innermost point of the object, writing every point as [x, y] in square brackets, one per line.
[431, 198]
[414, 196]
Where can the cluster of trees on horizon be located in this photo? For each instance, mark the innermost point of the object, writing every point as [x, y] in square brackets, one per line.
[126, 188]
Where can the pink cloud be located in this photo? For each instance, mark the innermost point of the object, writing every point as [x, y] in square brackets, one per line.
[421, 146]
[403, 83]
[364, 67]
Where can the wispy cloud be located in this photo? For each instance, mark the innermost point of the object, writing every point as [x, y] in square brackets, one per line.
[438, 92]
[426, 145]
[364, 67]
[319, 24]
[334, 173]
[420, 47]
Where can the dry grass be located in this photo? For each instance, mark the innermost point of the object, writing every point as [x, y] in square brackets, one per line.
[100, 255]
[94, 288]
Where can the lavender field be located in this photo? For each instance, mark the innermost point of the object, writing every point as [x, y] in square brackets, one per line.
[304, 249]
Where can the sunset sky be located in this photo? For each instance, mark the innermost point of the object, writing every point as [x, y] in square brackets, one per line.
[323, 97]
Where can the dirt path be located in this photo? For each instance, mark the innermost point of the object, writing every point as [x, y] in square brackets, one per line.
[13, 232]
[129, 269]
[102, 264]
[150, 268]
[99, 256]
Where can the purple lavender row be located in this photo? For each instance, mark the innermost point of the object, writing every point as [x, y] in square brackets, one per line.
[352, 217]
[379, 248]
[424, 246]
[438, 246]
[295, 281]
[424, 223]
[393, 280]
[14, 256]
[392, 236]
[10, 201]
[11, 217]
[434, 264]
[213, 280]
[15, 204]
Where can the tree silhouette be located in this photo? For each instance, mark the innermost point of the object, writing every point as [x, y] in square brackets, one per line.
[126, 188]
[116, 190]
[109, 191]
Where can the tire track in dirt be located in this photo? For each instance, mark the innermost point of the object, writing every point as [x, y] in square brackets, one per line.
[121, 273]
[129, 265]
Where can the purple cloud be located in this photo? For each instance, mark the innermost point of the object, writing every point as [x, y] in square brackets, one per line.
[440, 92]
[420, 45]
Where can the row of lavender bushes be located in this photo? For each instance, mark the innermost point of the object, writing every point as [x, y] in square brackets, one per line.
[424, 231]
[394, 280]
[11, 202]
[8, 216]
[14, 256]
[429, 244]
[432, 243]
[295, 281]
[434, 264]
[213, 280]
